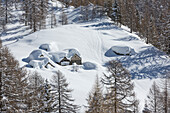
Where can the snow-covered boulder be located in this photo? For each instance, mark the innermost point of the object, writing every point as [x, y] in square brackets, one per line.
[49, 47]
[89, 66]
[119, 50]
[46, 47]
[72, 52]
[57, 56]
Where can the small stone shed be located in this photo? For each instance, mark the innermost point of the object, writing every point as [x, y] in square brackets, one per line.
[76, 59]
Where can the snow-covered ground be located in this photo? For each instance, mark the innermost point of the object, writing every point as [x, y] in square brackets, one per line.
[95, 42]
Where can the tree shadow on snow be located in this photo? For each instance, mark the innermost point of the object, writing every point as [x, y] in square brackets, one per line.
[128, 38]
[105, 26]
[149, 63]
[14, 31]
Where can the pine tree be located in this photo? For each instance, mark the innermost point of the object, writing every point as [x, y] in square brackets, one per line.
[7, 8]
[119, 88]
[3, 88]
[2, 17]
[26, 17]
[35, 13]
[95, 99]
[36, 92]
[164, 84]
[63, 17]
[135, 106]
[116, 16]
[9, 70]
[1, 94]
[53, 19]
[14, 84]
[154, 99]
[48, 98]
[131, 15]
[109, 8]
[86, 10]
[19, 93]
[63, 99]
[43, 13]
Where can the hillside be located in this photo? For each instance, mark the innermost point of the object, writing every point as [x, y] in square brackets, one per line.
[95, 41]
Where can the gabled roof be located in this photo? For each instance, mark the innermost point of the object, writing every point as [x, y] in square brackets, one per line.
[65, 59]
[75, 56]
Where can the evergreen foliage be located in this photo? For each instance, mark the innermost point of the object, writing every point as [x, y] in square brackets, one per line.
[14, 86]
[63, 99]
[48, 98]
[95, 99]
[36, 92]
[154, 99]
[119, 96]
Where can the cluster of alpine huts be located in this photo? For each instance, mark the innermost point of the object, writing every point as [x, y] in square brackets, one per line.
[45, 57]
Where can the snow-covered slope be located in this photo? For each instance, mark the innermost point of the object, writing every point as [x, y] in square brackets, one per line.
[96, 42]
[93, 41]
[94, 45]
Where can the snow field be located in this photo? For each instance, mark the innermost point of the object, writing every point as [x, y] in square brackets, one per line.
[92, 45]
[92, 40]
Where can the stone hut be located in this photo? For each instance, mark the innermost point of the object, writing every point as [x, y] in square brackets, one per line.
[76, 59]
[64, 62]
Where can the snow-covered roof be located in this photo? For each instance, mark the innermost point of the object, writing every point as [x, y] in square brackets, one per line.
[120, 50]
[124, 50]
[58, 56]
[72, 52]
[37, 55]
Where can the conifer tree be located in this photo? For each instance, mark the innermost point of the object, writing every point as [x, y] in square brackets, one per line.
[119, 88]
[63, 17]
[109, 8]
[26, 13]
[63, 99]
[1, 95]
[43, 13]
[36, 92]
[164, 84]
[14, 84]
[48, 98]
[154, 97]
[9, 68]
[7, 8]
[116, 16]
[95, 99]
[135, 106]
[35, 13]
[86, 10]
[2, 16]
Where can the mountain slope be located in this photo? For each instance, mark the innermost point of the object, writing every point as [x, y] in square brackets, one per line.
[95, 42]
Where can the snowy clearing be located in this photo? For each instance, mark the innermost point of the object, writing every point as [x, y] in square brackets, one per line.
[96, 42]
